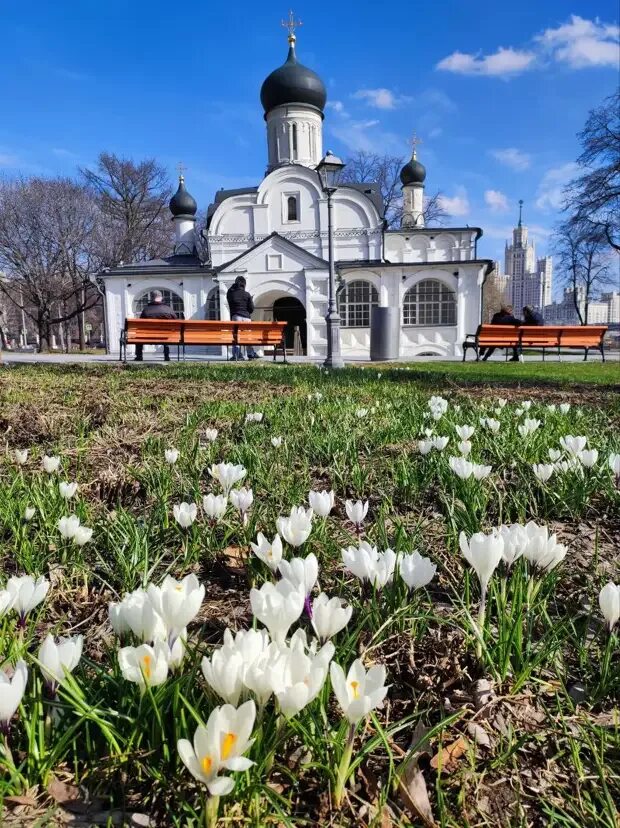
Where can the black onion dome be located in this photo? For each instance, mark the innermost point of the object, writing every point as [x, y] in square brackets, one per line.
[413, 173]
[292, 83]
[182, 203]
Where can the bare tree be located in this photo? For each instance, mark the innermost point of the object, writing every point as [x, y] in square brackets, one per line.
[584, 263]
[384, 170]
[594, 198]
[46, 229]
[133, 201]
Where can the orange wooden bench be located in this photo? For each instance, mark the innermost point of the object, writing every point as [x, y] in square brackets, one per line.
[536, 336]
[184, 332]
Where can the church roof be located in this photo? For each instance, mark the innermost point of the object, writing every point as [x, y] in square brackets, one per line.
[321, 263]
[293, 83]
[182, 203]
[157, 266]
[222, 195]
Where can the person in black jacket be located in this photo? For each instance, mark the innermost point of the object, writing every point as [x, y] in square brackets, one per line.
[156, 309]
[532, 317]
[503, 317]
[241, 308]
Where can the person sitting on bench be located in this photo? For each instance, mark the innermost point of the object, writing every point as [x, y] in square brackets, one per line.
[503, 317]
[532, 317]
[241, 308]
[156, 309]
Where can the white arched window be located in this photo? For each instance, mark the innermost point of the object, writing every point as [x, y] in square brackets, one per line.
[430, 302]
[291, 209]
[355, 300]
[212, 310]
[170, 298]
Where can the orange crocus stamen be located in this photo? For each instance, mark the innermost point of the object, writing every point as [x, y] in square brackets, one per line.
[207, 764]
[354, 686]
[146, 666]
[228, 742]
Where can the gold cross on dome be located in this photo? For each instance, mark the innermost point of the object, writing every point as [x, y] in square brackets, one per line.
[181, 170]
[291, 24]
[414, 143]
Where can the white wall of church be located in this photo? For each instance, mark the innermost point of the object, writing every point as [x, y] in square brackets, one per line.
[294, 136]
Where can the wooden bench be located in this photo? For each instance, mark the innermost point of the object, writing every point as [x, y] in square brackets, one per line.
[184, 332]
[537, 336]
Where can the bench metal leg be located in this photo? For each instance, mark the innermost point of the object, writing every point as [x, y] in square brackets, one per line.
[585, 354]
[602, 353]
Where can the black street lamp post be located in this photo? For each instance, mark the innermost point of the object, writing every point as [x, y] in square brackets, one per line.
[330, 169]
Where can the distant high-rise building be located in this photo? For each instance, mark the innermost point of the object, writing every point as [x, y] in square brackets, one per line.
[530, 280]
[602, 311]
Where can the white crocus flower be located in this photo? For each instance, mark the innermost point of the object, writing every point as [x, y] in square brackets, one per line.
[29, 513]
[185, 513]
[543, 471]
[21, 456]
[329, 616]
[360, 413]
[542, 550]
[58, 657]
[424, 446]
[465, 431]
[480, 472]
[11, 693]
[277, 606]
[321, 503]
[464, 447]
[136, 612]
[361, 560]
[493, 425]
[551, 408]
[356, 511]
[254, 417]
[68, 526]
[82, 535]
[223, 673]
[573, 445]
[227, 474]
[27, 593]
[301, 572]
[67, 490]
[6, 601]
[416, 571]
[483, 553]
[176, 653]
[361, 691]
[146, 666]
[219, 746]
[614, 464]
[269, 553]
[299, 677]
[526, 405]
[461, 467]
[210, 434]
[177, 602]
[276, 442]
[171, 456]
[296, 528]
[242, 499]
[214, 506]
[384, 569]
[440, 443]
[588, 458]
[50, 464]
[564, 408]
[515, 541]
[502, 403]
[609, 602]
[554, 455]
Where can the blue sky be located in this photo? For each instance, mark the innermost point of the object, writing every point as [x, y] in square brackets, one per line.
[496, 91]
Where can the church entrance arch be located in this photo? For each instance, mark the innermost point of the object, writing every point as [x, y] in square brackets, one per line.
[290, 310]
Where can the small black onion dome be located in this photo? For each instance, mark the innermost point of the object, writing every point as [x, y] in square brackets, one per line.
[413, 173]
[292, 83]
[182, 203]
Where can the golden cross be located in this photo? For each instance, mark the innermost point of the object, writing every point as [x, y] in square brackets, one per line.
[291, 24]
[414, 143]
[181, 170]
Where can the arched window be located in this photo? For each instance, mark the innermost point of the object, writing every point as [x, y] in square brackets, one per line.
[355, 299]
[291, 209]
[294, 142]
[212, 310]
[430, 302]
[170, 298]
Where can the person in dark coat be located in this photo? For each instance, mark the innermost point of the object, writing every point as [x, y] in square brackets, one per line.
[241, 307]
[156, 309]
[503, 316]
[532, 317]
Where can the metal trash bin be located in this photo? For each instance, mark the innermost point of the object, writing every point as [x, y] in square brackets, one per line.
[384, 333]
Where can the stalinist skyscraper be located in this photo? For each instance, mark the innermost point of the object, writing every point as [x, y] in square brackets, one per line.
[530, 280]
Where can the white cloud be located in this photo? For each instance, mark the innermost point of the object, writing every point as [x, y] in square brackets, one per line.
[337, 106]
[550, 193]
[8, 160]
[457, 205]
[363, 135]
[496, 201]
[503, 62]
[581, 43]
[380, 98]
[512, 157]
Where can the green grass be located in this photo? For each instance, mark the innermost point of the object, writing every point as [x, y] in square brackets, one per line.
[548, 759]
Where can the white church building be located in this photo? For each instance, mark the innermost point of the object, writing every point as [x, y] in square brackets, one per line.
[276, 236]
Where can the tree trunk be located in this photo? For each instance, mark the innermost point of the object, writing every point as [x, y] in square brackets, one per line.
[82, 324]
[45, 333]
[3, 339]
